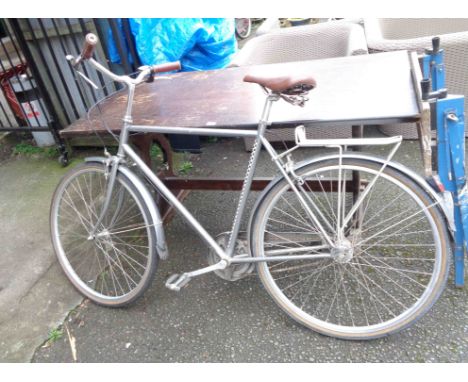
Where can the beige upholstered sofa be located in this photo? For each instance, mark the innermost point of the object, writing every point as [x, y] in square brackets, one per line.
[416, 34]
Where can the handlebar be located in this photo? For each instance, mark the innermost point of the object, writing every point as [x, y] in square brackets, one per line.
[91, 40]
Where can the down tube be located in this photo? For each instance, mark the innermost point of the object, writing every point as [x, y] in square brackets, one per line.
[175, 203]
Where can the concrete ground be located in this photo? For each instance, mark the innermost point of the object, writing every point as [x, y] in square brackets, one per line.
[34, 294]
[211, 320]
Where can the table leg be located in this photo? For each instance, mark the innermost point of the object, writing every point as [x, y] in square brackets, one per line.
[357, 132]
[166, 149]
[425, 139]
[143, 144]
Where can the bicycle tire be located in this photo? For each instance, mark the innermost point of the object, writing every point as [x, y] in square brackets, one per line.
[356, 317]
[118, 265]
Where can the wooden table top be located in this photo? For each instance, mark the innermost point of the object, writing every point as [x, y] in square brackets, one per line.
[368, 89]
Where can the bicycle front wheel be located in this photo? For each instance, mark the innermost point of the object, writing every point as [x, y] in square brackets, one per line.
[116, 265]
[383, 272]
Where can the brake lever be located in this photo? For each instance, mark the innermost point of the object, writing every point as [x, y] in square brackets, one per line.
[91, 83]
[74, 62]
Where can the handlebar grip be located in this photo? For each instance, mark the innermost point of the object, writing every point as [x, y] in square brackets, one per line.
[91, 40]
[167, 67]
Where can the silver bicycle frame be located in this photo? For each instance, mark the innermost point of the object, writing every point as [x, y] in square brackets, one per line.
[226, 256]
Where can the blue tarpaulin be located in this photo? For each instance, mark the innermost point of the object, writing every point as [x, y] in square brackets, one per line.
[199, 44]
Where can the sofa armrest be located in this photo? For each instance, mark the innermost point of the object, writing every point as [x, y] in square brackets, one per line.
[376, 42]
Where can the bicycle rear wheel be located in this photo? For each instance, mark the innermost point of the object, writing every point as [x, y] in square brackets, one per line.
[116, 266]
[390, 268]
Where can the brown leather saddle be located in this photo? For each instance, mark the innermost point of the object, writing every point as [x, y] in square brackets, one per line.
[284, 84]
[292, 88]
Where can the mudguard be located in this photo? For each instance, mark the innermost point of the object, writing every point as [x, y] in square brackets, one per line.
[161, 246]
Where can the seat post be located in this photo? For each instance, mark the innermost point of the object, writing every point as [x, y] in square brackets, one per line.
[265, 116]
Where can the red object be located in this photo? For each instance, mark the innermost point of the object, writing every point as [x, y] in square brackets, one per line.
[8, 90]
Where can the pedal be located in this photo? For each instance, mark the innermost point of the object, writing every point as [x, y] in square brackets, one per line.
[176, 281]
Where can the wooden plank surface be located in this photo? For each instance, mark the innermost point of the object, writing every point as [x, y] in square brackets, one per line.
[367, 89]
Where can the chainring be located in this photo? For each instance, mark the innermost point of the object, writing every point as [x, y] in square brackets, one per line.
[234, 271]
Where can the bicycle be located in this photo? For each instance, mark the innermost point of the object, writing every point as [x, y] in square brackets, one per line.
[243, 27]
[347, 244]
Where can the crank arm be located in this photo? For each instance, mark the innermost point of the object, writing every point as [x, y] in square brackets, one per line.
[176, 281]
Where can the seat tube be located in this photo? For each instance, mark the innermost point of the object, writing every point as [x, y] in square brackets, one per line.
[262, 125]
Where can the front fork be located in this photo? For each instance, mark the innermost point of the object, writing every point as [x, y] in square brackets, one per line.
[112, 167]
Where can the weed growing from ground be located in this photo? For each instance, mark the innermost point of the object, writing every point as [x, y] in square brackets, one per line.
[185, 167]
